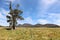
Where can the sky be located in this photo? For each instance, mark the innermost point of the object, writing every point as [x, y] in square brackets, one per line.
[34, 11]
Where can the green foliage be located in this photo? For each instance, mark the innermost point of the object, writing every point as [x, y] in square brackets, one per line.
[8, 20]
[14, 15]
[8, 17]
[20, 17]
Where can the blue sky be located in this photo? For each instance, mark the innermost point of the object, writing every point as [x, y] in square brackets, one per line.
[34, 11]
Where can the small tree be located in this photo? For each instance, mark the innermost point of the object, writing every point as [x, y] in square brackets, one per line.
[14, 16]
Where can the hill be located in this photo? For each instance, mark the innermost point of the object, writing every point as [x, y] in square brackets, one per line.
[39, 25]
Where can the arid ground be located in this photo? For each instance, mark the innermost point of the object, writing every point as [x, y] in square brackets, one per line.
[30, 34]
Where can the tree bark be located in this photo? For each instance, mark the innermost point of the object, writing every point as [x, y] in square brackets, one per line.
[13, 26]
[13, 23]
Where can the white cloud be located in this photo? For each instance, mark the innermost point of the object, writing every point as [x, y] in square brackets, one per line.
[11, 0]
[3, 13]
[31, 21]
[42, 21]
[3, 19]
[57, 22]
[55, 17]
[3, 22]
[7, 1]
[52, 18]
[26, 20]
[43, 6]
[48, 2]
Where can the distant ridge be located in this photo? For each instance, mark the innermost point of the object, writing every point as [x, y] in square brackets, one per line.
[51, 25]
[38, 25]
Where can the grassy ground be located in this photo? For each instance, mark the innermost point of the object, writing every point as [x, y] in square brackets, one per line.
[30, 34]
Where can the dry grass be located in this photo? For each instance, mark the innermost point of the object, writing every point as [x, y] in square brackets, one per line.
[30, 34]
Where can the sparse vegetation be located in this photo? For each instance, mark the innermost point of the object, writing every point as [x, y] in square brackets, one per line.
[30, 34]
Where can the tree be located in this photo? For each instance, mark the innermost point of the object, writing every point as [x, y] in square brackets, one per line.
[14, 16]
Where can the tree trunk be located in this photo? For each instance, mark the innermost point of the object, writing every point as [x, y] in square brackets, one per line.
[13, 23]
[13, 26]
